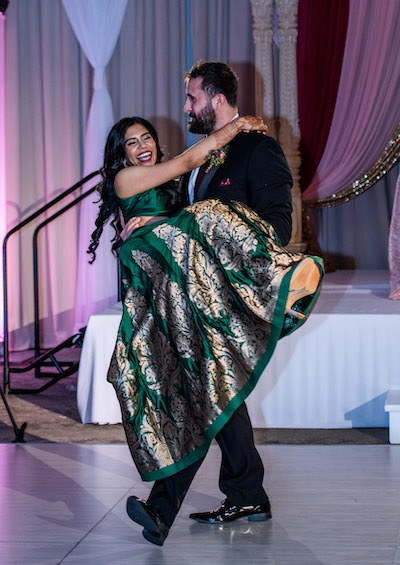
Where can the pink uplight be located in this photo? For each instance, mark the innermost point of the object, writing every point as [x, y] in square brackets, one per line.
[2, 159]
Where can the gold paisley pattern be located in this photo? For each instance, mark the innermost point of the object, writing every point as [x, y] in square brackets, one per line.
[204, 296]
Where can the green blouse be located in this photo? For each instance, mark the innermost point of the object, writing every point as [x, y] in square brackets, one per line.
[152, 202]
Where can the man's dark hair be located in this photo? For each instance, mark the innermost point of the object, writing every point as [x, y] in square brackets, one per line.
[218, 78]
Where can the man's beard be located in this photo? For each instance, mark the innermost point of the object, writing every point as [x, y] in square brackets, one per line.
[204, 122]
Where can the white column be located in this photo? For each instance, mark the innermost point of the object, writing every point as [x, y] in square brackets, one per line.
[263, 35]
[289, 132]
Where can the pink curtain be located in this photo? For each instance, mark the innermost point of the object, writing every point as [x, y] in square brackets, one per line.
[3, 199]
[367, 106]
[45, 100]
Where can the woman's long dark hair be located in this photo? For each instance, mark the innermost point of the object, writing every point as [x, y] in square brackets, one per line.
[114, 161]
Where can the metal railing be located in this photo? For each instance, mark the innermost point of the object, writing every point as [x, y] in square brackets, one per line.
[64, 368]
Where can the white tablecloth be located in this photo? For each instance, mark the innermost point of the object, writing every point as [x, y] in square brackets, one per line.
[96, 398]
[333, 372]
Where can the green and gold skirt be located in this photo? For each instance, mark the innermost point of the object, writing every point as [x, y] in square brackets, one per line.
[204, 295]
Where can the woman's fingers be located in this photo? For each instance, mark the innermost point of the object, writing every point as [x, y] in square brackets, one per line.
[252, 123]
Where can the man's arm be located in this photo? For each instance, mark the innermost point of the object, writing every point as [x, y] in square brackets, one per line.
[269, 183]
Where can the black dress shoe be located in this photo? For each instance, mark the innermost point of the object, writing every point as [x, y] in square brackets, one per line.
[257, 513]
[155, 529]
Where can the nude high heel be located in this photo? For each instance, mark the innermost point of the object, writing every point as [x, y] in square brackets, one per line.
[304, 281]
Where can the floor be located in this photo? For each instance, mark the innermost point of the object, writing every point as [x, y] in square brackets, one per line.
[335, 495]
[332, 504]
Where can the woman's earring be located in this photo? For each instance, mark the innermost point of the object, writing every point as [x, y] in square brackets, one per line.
[125, 164]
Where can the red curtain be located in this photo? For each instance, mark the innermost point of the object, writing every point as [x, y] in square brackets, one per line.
[322, 29]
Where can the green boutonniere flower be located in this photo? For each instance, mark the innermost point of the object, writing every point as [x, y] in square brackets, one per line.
[217, 157]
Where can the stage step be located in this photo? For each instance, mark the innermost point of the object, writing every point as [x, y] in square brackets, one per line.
[392, 405]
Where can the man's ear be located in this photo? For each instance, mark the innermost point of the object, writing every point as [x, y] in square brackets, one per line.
[219, 100]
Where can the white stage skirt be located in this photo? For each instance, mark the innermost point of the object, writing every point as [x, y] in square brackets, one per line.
[334, 372]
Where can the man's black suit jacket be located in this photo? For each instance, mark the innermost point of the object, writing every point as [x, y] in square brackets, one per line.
[256, 173]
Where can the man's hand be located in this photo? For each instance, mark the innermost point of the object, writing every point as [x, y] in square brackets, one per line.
[128, 229]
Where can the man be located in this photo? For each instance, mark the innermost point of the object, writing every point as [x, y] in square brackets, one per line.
[252, 170]
[255, 171]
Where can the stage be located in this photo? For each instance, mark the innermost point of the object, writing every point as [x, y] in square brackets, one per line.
[334, 372]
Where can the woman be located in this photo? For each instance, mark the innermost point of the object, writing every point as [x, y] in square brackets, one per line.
[206, 296]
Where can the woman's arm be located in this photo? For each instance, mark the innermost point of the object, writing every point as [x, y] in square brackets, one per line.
[135, 179]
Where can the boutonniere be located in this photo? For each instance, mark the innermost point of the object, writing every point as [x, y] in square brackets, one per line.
[217, 157]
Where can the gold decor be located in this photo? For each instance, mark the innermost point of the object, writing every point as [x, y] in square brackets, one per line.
[385, 163]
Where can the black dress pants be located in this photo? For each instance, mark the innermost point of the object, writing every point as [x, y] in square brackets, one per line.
[241, 473]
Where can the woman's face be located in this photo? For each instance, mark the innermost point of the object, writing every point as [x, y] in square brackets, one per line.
[140, 147]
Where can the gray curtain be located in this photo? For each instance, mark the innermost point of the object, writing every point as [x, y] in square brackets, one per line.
[354, 235]
[48, 90]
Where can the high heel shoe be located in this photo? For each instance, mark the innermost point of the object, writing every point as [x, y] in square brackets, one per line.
[304, 281]
[298, 315]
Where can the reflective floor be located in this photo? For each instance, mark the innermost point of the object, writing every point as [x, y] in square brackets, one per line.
[332, 504]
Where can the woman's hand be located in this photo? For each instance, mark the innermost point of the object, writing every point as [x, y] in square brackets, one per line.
[243, 123]
[252, 123]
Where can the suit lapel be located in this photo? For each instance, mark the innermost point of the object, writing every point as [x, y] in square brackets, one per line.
[206, 181]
